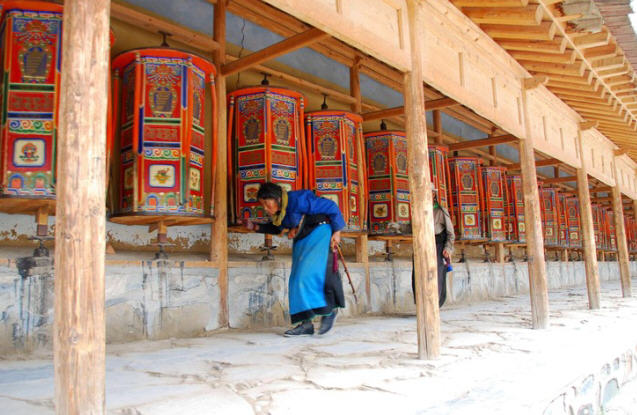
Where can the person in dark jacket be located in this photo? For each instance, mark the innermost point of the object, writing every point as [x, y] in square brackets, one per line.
[445, 236]
[314, 223]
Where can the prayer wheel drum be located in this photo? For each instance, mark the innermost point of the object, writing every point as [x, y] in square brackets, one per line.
[611, 236]
[563, 220]
[439, 170]
[388, 183]
[30, 60]
[496, 203]
[161, 138]
[266, 143]
[598, 226]
[573, 222]
[550, 216]
[336, 163]
[516, 225]
[465, 181]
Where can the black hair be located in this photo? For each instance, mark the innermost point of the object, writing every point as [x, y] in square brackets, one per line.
[269, 190]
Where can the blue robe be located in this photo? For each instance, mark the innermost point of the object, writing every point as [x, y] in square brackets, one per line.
[313, 287]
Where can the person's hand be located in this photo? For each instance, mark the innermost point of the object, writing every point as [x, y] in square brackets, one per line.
[445, 253]
[292, 233]
[249, 224]
[336, 239]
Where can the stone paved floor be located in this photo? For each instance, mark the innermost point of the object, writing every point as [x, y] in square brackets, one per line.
[491, 363]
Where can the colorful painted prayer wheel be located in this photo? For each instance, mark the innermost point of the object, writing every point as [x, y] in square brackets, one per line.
[466, 182]
[573, 222]
[550, 216]
[30, 60]
[266, 143]
[388, 183]
[165, 152]
[516, 224]
[563, 220]
[496, 200]
[337, 168]
[598, 225]
[439, 170]
[611, 236]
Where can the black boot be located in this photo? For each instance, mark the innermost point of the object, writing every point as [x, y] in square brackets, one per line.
[306, 328]
[327, 322]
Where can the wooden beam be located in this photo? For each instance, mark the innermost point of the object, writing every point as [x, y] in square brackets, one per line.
[538, 163]
[533, 224]
[574, 69]
[271, 52]
[485, 142]
[536, 81]
[80, 234]
[490, 3]
[397, 111]
[425, 259]
[620, 152]
[592, 40]
[564, 179]
[620, 235]
[587, 125]
[543, 31]
[557, 45]
[566, 58]
[523, 16]
[219, 245]
[441, 103]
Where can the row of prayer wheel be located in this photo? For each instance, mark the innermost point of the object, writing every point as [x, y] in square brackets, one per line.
[162, 137]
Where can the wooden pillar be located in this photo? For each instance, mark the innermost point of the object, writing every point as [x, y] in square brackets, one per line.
[437, 116]
[427, 311]
[620, 235]
[78, 331]
[588, 232]
[533, 223]
[219, 240]
[362, 253]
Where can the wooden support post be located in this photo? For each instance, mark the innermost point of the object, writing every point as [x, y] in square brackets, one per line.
[620, 236]
[425, 261]
[564, 255]
[362, 255]
[219, 240]
[437, 116]
[80, 234]
[533, 223]
[588, 233]
[42, 221]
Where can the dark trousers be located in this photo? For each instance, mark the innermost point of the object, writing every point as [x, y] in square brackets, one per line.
[441, 239]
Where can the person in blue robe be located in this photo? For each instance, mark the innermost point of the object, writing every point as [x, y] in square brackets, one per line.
[314, 223]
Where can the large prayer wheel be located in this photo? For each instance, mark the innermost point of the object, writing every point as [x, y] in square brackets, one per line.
[573, 222]
[30, 61]
[516, 224]
[550, 217]
[496, 203]
[611, 236]
[598, 226]
[166, 153]
[564, 238]
[388, 183]
[266, 143]
[336, 163]
[439, 171]
[465, 181]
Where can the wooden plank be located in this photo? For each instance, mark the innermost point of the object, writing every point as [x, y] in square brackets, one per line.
[80, 234]
[538, 163]
[272, 52]
[564, 179]
[490, 3]
[523, 16]
[533, 224]
[620, 236]
[543, 31]
[566, 58]
[396, 111]
[536, 81]
[557, 45]
[485, 142]
[219, 232]
[425, 261]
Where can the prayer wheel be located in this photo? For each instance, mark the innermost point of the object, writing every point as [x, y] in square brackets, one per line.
[573, 222]
[465, 181]
[564, 239]
[611, 236]
[165, 153]
[336, 167]
[550, 216]
[266, 143]
[496, 203]
[439, 170]
[598, 226]
[30, 62]
[388, 183]
[516, 225]
[631, 233]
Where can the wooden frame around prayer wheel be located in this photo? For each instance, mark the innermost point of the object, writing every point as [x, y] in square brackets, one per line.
[465, 197]
[388, 183]
[335, 170]
[265, 143]
[160, 127]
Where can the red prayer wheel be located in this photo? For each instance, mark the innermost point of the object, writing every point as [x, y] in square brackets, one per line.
[496, 203]
[562, 216]
[598, 225]
[159, 117]
[388, 183]
[516, 224]
[337, 168]
[611, 236]
[30, 63]
[465, 197]
[550, 216]
[573, 222]
[439, 171]
[266, 143]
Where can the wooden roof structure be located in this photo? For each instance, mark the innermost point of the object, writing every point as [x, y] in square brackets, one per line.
[589, 71]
